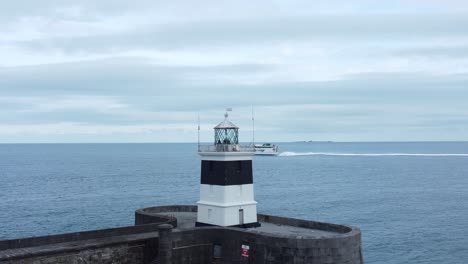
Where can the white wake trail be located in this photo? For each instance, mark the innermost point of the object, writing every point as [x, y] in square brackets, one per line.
[290, 154]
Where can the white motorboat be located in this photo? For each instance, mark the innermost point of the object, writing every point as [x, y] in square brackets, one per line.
[266, 149]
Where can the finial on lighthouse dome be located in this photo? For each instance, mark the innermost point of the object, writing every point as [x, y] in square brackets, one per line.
[226, 114]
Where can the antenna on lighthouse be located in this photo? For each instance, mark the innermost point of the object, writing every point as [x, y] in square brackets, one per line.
[198, 131]
[253, 128]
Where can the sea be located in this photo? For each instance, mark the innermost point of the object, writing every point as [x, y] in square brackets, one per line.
[410, 199]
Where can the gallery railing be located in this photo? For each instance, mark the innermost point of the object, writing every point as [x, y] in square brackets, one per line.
[226, 148]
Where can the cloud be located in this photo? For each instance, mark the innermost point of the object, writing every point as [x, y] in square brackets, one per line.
[102, 36]
[358, 70]
[45, 105]
[79, 128]
[452, 52]
[374, 103]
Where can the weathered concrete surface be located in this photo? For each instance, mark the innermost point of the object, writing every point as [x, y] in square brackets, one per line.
[135, 244]
[280, 240]
[121, 254]
[165, 244]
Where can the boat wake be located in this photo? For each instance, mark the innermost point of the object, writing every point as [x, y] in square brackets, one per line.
[290, 154]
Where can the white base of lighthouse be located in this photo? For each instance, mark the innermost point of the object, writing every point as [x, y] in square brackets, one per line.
[226, 190]
[231, 205]
[242, 216]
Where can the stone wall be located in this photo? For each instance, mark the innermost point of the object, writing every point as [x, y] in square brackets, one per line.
[77, 236]
[147, 216]
[118, 254]
[139, 244]
[133, 244]
[197, 247]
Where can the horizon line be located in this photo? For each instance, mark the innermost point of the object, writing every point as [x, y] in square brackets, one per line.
[206, 142]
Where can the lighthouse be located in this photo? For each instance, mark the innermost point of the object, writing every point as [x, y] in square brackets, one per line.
[226, 184]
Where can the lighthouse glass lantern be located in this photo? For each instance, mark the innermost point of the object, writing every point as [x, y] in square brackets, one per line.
[226, 182]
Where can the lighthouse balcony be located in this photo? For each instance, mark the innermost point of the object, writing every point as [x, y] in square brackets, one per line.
[226, 148]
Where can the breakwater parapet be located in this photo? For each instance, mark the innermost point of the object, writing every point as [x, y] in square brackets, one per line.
[278, 240]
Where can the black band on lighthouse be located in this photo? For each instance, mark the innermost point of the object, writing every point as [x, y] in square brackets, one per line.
[226, 172]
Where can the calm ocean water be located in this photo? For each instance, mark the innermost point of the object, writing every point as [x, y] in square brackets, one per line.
[409, 199]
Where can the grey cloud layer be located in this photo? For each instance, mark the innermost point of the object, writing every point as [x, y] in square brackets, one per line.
[129, 93]
[359, 72]
[262, 32]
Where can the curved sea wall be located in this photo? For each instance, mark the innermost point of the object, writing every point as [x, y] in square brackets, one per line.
[161, 214]
[272, 245]
[121, 245]
[279, 240]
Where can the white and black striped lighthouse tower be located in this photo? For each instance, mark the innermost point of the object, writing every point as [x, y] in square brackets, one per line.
[226, 186]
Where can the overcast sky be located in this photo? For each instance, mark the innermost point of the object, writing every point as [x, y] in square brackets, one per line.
[142, 71]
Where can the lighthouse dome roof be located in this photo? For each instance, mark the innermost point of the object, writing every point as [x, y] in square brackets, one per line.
[225, 124]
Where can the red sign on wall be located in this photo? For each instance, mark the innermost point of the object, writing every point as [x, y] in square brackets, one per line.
[245, 251]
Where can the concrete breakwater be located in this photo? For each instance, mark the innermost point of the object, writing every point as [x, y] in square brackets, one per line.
[277, 240]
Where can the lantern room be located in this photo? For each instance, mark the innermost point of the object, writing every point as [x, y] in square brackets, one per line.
[226, 132]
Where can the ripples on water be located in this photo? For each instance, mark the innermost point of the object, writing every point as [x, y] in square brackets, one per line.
[409, 199]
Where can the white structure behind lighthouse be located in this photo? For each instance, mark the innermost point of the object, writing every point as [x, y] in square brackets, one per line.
[226, 184]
